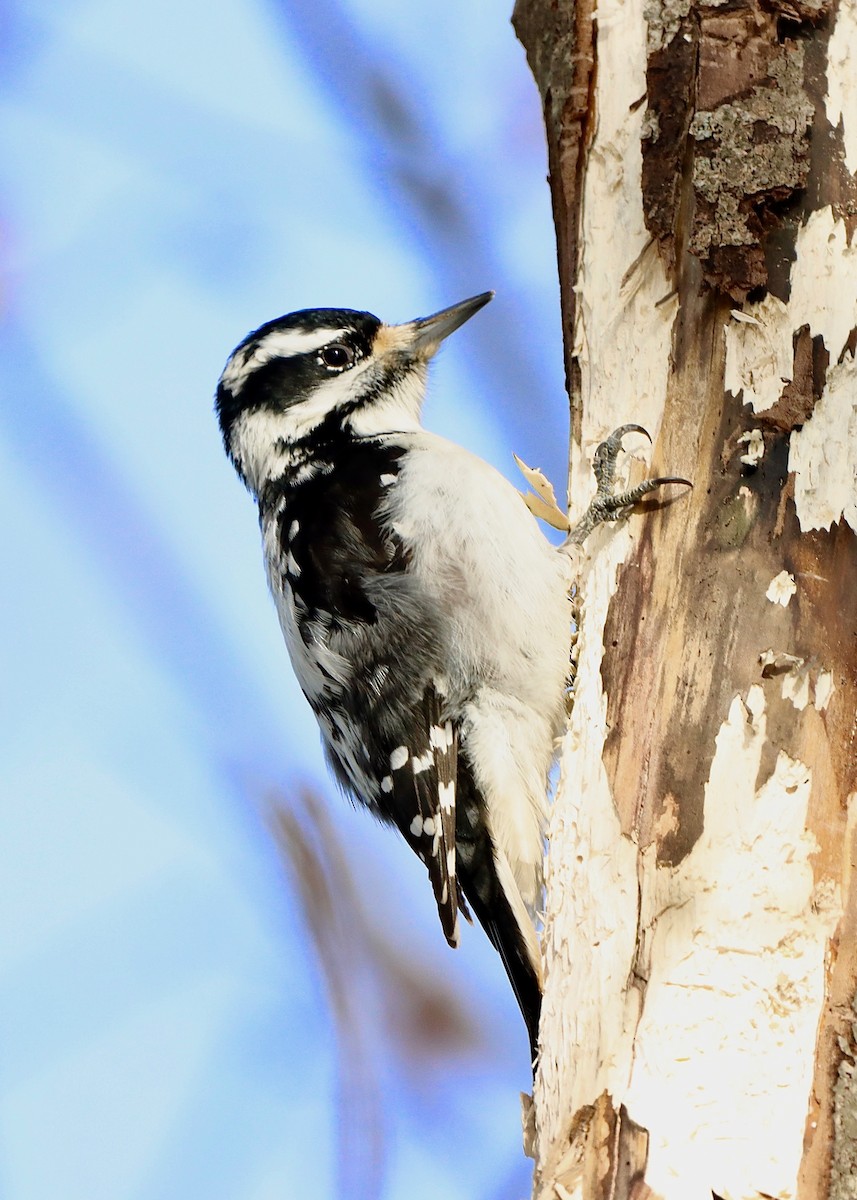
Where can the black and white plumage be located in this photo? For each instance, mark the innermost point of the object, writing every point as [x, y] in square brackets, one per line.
[425, 615]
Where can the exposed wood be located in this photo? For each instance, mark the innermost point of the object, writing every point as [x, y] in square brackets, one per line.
[560, 42]
[701, 930]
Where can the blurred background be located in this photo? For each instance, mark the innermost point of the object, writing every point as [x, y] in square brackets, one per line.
[216, 979]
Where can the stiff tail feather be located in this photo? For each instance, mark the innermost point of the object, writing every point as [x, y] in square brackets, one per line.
[486, 879]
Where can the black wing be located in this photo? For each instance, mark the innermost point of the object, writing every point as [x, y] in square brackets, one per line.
[387, 735]
[418, 794]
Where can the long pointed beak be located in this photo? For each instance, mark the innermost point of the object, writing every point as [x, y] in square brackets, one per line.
[428, 332]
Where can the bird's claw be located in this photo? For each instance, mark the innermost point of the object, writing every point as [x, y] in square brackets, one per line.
[606, 504]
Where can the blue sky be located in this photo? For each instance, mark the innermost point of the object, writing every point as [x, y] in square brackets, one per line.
[171, 177]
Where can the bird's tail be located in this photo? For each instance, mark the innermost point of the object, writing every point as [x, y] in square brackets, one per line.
[489, 887]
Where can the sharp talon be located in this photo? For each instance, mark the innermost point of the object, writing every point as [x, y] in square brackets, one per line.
[619, 433]
[604, 459]
[606, 505]
[664, 479]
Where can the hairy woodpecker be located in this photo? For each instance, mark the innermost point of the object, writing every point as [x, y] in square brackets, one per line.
[426, 617]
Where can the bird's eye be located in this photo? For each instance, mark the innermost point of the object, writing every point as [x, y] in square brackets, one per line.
[337, 355]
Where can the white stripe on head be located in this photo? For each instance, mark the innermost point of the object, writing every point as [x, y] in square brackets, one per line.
[397, 410]
[260, 438]
[279, 343]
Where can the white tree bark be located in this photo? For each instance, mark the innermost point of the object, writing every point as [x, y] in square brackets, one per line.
[700, 948]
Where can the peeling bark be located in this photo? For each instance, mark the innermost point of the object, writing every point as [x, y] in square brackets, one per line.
[727, 97]
[560, 42]
[805, 388]
[701, 929]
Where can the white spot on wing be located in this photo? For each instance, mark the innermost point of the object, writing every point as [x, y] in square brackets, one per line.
[446, 796]
[437, 737]
[423, 763]
[428, 826]
[399, 757]
[387, 784]
[293, 529]
[417, 826]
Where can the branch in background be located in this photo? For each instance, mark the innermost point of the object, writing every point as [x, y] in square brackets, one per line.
[317, 869]
[365, 973]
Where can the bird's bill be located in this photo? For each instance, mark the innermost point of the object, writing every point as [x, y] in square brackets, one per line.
[426, 333]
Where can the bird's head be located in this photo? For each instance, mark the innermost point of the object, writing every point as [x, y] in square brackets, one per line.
[297, 383]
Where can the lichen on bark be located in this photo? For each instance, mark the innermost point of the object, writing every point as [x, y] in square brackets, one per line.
[843, 1160]
[750, 156]
[726, 141]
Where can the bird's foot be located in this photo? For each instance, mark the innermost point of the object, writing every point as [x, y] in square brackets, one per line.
[608, 505]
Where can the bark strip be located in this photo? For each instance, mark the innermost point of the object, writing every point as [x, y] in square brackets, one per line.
[559, 39]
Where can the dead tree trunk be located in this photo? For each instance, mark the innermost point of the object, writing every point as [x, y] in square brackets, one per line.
[698, 1036]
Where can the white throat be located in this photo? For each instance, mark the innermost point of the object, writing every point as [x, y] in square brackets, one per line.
[398, 411]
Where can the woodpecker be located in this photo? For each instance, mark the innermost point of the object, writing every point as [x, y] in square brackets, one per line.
[426, 617]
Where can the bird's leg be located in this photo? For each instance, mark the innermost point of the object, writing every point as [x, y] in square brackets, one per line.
[608, 505]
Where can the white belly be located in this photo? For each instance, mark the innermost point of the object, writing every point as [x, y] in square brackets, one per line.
[478, 550]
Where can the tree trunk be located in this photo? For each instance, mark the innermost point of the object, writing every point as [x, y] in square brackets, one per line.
[698, 1034]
